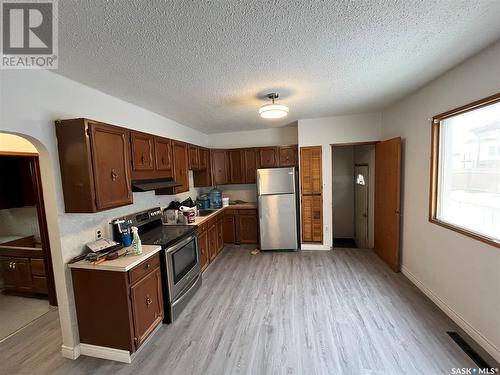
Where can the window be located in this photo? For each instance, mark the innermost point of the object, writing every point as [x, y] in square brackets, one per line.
[465, 179]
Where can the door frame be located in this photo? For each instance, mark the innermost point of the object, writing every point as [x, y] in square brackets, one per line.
[332, 145]
[367, 202]
[36, 179]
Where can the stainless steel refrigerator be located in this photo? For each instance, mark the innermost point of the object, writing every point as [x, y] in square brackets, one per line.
[278, 208]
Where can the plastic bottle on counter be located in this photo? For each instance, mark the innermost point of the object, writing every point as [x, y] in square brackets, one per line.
[136, 241]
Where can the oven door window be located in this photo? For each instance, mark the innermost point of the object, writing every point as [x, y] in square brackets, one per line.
[183, 260]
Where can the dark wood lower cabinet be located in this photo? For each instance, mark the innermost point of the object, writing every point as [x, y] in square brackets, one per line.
[118, 309]
[24, 275]
[212, 241]
[241, 226]
[203, 246]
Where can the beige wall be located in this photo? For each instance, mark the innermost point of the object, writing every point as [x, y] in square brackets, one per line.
[460, 274]
[14, 143]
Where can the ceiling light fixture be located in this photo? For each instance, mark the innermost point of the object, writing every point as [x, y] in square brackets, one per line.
[273, 111]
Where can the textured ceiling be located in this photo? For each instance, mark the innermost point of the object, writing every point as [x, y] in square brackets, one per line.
[207, 64]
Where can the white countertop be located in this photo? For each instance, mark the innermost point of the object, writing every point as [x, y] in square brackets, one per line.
[201, 219]
[121, 264]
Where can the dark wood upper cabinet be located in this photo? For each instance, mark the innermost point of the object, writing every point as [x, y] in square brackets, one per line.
[204, 158]
[143, 156]
[110, 161]
[95, 165]
[163, 154]
[181, 173]
[203, 176]
[235, 166]
[268, 157]
[288, 156]
[219, 167]
[250, 157]
[194, 157]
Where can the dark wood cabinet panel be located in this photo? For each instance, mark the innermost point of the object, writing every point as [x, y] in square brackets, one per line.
[288, 156]
[219, 167]
[220, 233]
[229, 228]
[194, 157]
[250, 157]
[147, 305]
[9, 274]
[204, 158]
[203, 176]
[17, 275]
[212, 241]
[204, 249]
[110, 162]
[142, 147]
[136, 307]
[235, 166]
[268, 157]
[163, 154]
[310, 170]
[180, 152]
[248, 228]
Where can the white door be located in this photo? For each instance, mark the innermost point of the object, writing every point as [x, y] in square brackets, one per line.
[361, 205]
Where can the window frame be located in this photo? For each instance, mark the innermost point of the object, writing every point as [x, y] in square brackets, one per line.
[434, 170]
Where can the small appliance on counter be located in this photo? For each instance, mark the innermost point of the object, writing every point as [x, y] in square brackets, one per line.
[215, 198]
[203, 202]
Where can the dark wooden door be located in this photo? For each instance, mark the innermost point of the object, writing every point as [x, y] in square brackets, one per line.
[235, 167]
[16, 274]
[250, 166]
[194, 157]
[229, 228]
[248, 227]
[147, 305]
[388, 201]
[220, 233]
[212, 241]
[288, 156]
[310, 170]
[110, 161]
[268, 157]
[181, 166]
[163, 153]
[142, 151]
[312, 218]
[219, 162]
[204, 249]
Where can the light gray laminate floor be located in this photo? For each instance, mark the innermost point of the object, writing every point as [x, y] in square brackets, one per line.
[338, 312]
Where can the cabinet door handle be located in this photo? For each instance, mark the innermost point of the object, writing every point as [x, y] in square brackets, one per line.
[114, 175]
[13, 265]
[149, 301]
[142, 158]
[10, 265]
[162, 160]
[147, 266]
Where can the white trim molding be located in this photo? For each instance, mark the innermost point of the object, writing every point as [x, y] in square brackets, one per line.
[103, 352]
[453, 315]
[306, 246]
[71, 352]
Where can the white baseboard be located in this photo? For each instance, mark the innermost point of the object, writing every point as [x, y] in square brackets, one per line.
[71, 352]
[456, 317]
[306, 246]
[103, 352]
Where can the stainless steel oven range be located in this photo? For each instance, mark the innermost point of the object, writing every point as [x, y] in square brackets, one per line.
[180, 266]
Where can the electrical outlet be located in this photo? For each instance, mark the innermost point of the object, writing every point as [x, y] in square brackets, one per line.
[98, 234]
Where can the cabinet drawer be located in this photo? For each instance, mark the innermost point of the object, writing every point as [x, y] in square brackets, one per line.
[144, 268]
[229, 211]
[37, 267]
[40, 284]
[250, 211]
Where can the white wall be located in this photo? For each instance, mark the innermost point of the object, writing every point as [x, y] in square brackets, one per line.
[460, 274]
[262, 137]
[20, 221]
[331, 130]
[343, 192]
[365, 154]
[30, 102]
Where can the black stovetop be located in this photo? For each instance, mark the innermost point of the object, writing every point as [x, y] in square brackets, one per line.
[165, 235]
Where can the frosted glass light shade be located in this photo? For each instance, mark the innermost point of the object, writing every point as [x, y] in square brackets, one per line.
[273, 111]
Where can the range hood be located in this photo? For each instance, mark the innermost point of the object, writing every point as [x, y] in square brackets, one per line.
[154, 184]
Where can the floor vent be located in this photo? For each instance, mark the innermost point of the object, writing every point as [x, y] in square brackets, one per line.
[478, 360]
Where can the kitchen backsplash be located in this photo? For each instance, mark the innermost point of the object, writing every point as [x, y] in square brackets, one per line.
[22, 221]
[244, 192]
